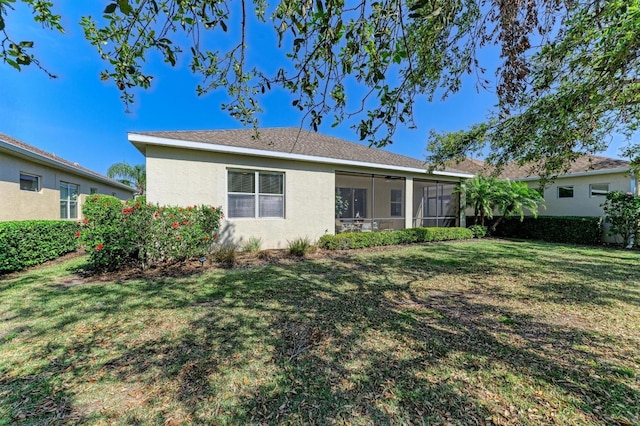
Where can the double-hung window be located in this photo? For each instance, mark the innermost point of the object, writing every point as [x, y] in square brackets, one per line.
[396, 202]
[255, 194]
[69, 200]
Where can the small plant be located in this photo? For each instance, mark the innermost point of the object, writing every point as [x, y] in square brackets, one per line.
[226, 255]
[479, 231]
[300, 246]
[252, 245]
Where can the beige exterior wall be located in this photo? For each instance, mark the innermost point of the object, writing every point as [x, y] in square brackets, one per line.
[16, 204]
[186, 177]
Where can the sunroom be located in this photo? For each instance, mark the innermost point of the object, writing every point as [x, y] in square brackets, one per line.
[371, 202]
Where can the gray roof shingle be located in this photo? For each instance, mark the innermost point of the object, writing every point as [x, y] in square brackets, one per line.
[583, 164]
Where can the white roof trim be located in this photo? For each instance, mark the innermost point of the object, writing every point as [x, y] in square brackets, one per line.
[204, 146]
[578, 174]
[49, 161]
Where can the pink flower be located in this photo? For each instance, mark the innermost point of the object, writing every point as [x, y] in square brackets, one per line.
[155, 215]
[175, 225]
[85, 220]
[99, 247]
[77, 234]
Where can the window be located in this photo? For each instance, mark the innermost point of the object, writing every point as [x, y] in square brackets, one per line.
[565, 192]
[93, 191]
[356, 202]
[69, 200]
[598, 189]
[255, 194]
[396, 202]
[29, 182]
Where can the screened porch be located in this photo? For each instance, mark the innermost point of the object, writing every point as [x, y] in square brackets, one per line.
[367, 203]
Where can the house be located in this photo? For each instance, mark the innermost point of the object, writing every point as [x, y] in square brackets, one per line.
[289, 183]
[578, 192]
[35, 184]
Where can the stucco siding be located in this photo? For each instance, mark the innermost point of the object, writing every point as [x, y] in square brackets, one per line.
[582, 203]
[186, 177]
[17, 204]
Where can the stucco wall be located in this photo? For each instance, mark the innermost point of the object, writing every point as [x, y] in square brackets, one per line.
[16, 204]
[187, 177]
[582, 204]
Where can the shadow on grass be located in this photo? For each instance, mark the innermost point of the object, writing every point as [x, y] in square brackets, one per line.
[342, 340]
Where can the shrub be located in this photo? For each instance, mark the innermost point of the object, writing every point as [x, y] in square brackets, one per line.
[557, 229]
[352, 240]
[479, 231]
[622, 212]
[253, 244]
[117, 233]
[226, 255]
[31, 242]
[300, 246]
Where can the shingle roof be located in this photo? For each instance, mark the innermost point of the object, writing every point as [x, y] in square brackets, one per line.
[292, 140]
[583, 164]
[60, 161]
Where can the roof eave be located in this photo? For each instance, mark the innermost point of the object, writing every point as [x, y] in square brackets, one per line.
[51, 162]
[139, 140]
[579, 174]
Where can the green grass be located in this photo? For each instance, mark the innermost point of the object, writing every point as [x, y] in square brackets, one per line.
[483, 332]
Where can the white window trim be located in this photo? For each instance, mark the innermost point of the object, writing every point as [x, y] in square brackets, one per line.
[69, 199]
[256, 194]
[392, 203]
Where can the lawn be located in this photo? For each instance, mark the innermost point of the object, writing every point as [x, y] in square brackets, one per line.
[479, 332]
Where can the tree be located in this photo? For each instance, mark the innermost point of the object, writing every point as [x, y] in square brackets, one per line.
[622, 212]
[480, 193]
[134, 176]
[512, 198]
[583, 87]
[568, 76]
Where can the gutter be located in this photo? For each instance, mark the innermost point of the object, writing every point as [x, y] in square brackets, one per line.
[60, 165]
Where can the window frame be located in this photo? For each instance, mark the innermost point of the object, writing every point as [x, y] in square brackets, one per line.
[256, 194]
[597, 195]
[566, 187]
[69, 200]
[396, 203]
[38, 180]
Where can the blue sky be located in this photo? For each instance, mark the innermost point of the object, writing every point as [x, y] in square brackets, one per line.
[82, 119]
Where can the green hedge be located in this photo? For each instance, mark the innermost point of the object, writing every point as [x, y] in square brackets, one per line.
[31, 242]
[355, 240]
[557, 229]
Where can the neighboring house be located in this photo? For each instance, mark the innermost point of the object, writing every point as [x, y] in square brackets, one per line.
[578, 192]
[284, 184]
[35, 184]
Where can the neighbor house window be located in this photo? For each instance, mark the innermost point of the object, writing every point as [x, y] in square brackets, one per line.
[565, 192]
[598, 189]
[29, 182]
[255, 194]
[396, 202]
[69, 200]
[93, 191]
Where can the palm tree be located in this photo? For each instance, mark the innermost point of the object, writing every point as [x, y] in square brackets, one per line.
[134, 176]
[512, 198]
[481, 195]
